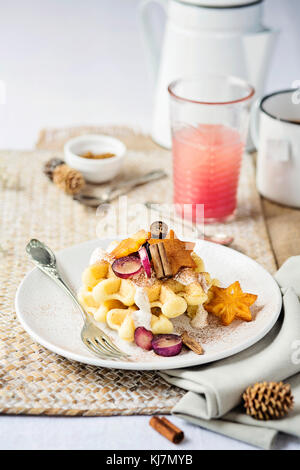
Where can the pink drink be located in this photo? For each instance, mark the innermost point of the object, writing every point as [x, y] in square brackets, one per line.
[206, 166]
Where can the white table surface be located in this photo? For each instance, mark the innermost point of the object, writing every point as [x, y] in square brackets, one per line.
[111, 433]
[73, 62]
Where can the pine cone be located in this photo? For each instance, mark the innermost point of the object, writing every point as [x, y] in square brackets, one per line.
[69, 180]
[268, 400]
[50, 166]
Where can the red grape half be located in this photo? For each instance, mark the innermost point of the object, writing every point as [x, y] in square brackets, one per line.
[167, 345]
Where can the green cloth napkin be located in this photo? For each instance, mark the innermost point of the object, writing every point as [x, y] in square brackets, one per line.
[214, 393]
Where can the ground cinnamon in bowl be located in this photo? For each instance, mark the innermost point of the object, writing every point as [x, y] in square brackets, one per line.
[97, 156]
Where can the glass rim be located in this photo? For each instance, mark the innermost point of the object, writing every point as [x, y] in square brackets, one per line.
[237, 80]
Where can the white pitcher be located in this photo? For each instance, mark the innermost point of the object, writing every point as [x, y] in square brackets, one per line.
[205, 36]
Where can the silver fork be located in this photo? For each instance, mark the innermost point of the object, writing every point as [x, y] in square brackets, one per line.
[93, 337]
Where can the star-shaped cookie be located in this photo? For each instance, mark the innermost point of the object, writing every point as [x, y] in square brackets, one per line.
[178, 252]
[230, 303]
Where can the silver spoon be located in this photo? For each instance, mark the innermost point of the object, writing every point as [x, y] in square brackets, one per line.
[93, 337]
[119, 189]
[219, 237]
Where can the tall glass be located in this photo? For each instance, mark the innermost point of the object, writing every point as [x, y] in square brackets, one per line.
[209, 120]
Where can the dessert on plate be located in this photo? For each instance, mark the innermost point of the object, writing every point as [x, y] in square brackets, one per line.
[139, 285]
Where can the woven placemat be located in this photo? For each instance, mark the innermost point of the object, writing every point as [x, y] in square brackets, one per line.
[34, 380]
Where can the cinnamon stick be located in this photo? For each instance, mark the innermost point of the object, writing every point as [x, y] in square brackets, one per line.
[164, 259]
[158, 268]
[167, 429]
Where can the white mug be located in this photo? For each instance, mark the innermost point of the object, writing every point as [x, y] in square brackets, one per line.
[275, 130]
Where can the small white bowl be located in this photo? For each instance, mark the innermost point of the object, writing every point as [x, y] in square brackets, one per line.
[95, 170]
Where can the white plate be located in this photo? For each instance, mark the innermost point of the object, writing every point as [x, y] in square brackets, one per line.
[51, 319]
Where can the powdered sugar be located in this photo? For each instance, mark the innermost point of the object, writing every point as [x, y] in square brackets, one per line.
[187, 276]
[142, 317]
[141, 280]
[200, 319]
[100, 255]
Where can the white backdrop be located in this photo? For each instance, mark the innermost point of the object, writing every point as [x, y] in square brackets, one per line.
[82, 61]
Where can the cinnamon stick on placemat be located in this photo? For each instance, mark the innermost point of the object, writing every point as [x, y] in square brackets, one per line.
[167, 429]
